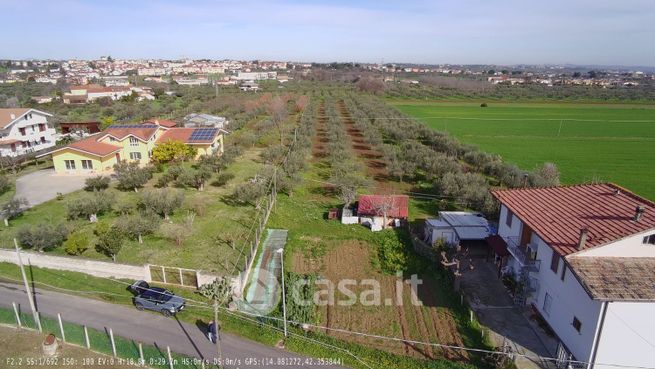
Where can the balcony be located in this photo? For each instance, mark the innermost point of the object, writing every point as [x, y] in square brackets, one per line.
[519, 253]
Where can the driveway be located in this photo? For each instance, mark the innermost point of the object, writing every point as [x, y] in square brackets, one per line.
[43, 185]
[155, 329]
[508, 324]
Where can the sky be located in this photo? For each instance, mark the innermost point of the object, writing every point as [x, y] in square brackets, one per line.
[506, 32]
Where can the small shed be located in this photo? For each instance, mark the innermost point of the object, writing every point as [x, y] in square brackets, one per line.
[456, 226]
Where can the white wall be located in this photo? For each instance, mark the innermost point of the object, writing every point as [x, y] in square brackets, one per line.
[627, 247]
[505, 231]
[569, 299]
[91, 267]
[32, 134]
[628, 328]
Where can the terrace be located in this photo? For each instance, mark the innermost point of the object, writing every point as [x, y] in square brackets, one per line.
[521, 254]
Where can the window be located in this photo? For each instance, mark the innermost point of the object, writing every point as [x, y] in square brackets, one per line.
[87, 164]
[577, 324]
[134, 141]
[649, 240]
[563, 276]
[41, 127]
[508, 218]
[42, 140]
[554, 262]
[548, 300]
[70, 164]
[22, 131]
[135, 155]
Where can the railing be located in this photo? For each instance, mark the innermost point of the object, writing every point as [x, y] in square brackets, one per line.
[518, 252]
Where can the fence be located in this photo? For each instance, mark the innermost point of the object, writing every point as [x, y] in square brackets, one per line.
[156, 273]
[103, 342]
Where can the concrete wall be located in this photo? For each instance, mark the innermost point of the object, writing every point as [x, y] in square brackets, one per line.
[91, 267]
[625, 335]
[628, 247]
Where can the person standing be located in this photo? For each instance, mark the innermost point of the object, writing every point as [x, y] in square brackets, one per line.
[212, 331]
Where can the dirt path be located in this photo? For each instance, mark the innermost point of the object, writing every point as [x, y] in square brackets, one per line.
[320, 139]
[376, 168]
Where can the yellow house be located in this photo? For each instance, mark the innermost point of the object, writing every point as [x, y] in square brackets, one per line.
[99, 152]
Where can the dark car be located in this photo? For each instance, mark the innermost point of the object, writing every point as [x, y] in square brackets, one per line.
[156, 299]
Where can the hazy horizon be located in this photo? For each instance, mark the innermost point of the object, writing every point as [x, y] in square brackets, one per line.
[471, 32]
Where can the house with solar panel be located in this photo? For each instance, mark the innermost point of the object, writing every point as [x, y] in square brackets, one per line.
[99, 152]
[583, 257]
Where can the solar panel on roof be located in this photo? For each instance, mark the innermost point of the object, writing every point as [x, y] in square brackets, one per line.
[203, 134]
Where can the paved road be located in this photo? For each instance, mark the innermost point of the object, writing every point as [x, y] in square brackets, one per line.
[43, 185]
[147, 327]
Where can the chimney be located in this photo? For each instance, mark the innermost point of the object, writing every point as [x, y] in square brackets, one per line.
[639, 211]
[584, 233]
[12, 116]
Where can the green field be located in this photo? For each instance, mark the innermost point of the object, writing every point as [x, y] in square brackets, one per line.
[588, 142]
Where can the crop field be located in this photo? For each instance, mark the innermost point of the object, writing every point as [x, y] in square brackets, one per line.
[588, 142]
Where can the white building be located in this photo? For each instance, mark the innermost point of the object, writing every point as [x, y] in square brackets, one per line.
[585, 256]
[24, 130]
[255, 76]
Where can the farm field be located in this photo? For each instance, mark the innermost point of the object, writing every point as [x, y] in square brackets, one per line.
[588, 142]
[336, 252]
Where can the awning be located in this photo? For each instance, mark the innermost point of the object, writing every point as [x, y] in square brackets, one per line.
[498, 245]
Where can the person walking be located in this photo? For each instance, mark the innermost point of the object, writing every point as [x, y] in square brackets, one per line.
[212, 331]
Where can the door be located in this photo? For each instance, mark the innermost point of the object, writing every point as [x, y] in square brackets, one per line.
[118, 157]
[526, 235]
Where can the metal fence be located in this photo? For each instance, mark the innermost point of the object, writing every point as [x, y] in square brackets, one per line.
[102, 342]
[174, 275]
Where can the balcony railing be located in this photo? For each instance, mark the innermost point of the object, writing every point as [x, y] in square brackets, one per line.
[519, 253]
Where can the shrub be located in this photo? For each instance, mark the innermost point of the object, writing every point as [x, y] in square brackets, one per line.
[164, 180]
[483, 105]
[110, 239]
[13, 208]
[96, 183]
[76, 244]
[138, 225]
[90, 206]
[42, 236]
[131, 176]
[173, 151]
[222, 179]
[5, 184]
[163, 202]
[392, 254]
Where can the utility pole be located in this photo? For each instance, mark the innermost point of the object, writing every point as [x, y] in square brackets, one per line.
[30, 297]
[218, 335]
[284, 299]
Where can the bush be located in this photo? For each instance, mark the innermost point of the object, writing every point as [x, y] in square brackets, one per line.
[14, 208]
[110, 239]
[5, 184]
[392, 254]
[42, 237]
[222, 179]
[131, 176]
[164, 180]
[173, 151]
[90, 206]
[483, 105]
[162, 202]
[76, 244]
[138, 225]
[96, 183]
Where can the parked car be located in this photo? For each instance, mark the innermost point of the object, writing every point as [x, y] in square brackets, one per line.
[156, 299]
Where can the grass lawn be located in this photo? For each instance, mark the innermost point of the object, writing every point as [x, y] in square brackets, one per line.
[204, 249]
[588, 142]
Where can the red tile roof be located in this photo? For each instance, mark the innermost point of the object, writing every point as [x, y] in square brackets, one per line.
[183, 134]
[143, 131]
[92, 146]
[372, 204]
[557, 214]
[616, 278]
[5, 115]
[163, 122]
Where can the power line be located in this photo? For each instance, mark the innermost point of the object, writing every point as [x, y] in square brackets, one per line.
[207, 306]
